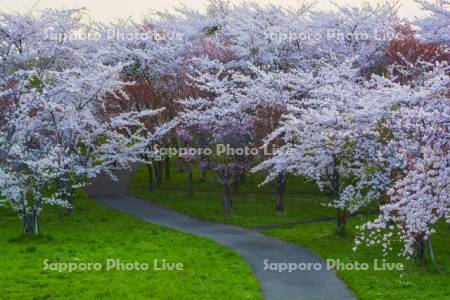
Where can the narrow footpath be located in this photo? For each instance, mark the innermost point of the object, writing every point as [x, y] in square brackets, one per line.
[253, 246]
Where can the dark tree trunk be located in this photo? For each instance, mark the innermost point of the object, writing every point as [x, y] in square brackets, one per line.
[155, 169]
[420, 250]
[430, 251]
[28, 227]
[150, 176]
[31, 223]
[341, 220]
[227, 199]
[204, 173]
[190, 182]
[181, 167]
[167, 167]
[242, 177]
[341, 213]
[159, 166]
[281, 188]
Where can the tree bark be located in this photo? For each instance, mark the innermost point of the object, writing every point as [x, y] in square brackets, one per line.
[341, 220]
[159, 166]
[190, 182]
[31, 223]
[281, 188]
[181, 166]
[167, 167]
[150, 176]
[155, 169]
[430, 251]
[227, 199]
[204, 173]
[242, 177]
[341, 214]
[420, 250]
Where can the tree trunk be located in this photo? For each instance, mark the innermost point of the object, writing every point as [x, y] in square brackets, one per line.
[159, 166]
[155, 169]
[341, 220]
[31, 223]
[227, 199]
[205, 168]
[181, 167]
[37, 225]
[28, 224]
[280, 192]
[341, 214]
[167, 167]
[242, 177]
[430, 251]
[150, 176]
[420, 250]
[190, 182]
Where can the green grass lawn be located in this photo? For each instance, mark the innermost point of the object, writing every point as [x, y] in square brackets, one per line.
[415, 282]
[95, 234]
[252, 206]
[255, 206]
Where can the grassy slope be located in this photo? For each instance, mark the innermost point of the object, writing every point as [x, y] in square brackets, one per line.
[255, 207]
[95, 234]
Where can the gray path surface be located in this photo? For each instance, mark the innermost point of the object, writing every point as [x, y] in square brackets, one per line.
[251, 245]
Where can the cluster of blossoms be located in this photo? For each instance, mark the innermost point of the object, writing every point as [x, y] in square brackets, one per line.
[420, 197]
[349, 104]
[56, 131]
[366, 120]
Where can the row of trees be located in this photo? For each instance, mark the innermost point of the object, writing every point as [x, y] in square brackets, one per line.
[355, 99]
[58, 123]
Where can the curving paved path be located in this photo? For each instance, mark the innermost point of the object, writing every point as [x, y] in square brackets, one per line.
[251, 245]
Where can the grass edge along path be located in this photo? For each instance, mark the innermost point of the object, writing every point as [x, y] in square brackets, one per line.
[95, 234]
[256, 209]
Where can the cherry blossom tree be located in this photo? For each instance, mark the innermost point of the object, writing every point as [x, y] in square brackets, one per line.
[357, 31]
[419, 196]
[435, 28]
[329, 136]
[240, 77]
[228, 125]
[56, 135]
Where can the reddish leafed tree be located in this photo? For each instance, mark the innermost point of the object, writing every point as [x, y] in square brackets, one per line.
[406, 52]
[6, 102]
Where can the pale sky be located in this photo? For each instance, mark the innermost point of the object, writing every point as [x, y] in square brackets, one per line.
[109, 10]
